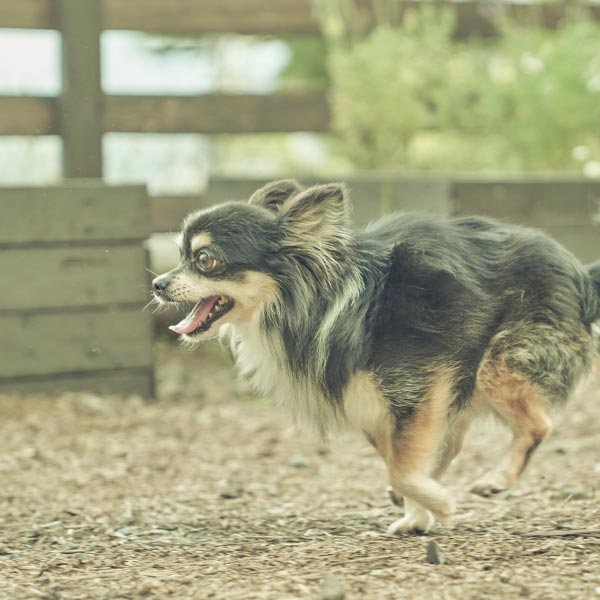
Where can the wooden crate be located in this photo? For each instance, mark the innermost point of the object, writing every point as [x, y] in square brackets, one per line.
[74, 267]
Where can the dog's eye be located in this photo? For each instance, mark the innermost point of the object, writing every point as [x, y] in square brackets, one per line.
[206, 262]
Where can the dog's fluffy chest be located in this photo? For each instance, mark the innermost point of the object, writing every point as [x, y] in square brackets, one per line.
[259, 358]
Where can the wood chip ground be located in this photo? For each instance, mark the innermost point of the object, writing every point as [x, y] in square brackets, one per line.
[209, 493]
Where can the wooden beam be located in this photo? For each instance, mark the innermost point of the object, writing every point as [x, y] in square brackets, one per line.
[27, 115]
[78, 211]
[80, 104]
[73, 277]
[49, 343]
[208, 114]
[118, 381]
[271, 17]
[168, 212]
[218, 113]
[537, 202]
[213, 16]
[28, 14]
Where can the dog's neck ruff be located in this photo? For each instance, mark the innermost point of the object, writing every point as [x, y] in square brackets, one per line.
[260, 358]
[289, 351]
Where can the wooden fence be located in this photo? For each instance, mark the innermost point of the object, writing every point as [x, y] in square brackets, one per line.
[75, 278]
[82, 113]
[567, 208]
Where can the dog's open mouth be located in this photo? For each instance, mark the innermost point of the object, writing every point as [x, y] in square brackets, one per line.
[203, 315]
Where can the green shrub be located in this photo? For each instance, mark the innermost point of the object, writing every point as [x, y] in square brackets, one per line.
[410, 96]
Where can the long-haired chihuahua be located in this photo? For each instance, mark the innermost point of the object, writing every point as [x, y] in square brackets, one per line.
[404, 330]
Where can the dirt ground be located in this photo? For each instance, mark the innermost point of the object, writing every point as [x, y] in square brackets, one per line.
[209, 493]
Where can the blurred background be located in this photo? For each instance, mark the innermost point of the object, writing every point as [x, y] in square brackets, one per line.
[449, 107]
[323, 87]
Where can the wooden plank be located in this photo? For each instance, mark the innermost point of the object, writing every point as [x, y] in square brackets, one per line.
[43, 344]
[378, 195]
[76, 211]
[583, 241]
[168, 212]
[211, 113]
[371, 196]
[27, 115]
[284, 17]
[28, 14]
[80, 110]
[213, 16]
[538, 202]
[272, 17]
[218, 113]
[125, 382]
[73, 277]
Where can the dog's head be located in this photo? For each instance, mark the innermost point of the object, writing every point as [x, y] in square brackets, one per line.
[236, 256]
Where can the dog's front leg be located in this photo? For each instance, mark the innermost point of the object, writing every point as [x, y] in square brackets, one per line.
[425, 500]
[414, 451]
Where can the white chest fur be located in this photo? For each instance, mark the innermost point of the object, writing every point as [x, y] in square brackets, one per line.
[259, 358]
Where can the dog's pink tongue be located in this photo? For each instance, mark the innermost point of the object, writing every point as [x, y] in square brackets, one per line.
[197, 316]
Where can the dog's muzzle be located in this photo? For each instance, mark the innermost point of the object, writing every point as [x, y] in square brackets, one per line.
[160, 285]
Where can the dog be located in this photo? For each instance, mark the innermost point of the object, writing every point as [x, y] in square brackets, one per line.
[404, 330]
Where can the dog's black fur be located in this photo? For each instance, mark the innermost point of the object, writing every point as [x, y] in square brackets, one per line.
[407, 302]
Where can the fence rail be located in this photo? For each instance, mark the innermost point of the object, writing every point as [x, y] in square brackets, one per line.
[210, 114]
[271, 17]
[567, 208]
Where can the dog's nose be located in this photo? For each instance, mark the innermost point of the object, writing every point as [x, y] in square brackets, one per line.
[160, 283]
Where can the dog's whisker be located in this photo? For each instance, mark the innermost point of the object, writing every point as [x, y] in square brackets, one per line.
[149, 303]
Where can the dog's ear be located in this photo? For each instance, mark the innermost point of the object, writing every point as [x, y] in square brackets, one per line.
[316, 233]
[319, 212]
[274, 194]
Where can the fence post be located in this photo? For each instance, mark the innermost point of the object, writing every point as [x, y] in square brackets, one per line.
[80, 103]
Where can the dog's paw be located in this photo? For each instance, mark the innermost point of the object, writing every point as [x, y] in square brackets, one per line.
[394, 499]
[489, 485]
[420, 522]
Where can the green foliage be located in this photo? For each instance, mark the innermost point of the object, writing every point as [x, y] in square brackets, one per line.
[540, 94]
[385, 88]
[408, 95]
[307, 67]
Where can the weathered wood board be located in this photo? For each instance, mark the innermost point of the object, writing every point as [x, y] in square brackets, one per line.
[568, 210]
[122, 382]
[81, 99]
[371, 195]
[46, 343]
[538, 203]
[272, 17]
[72, 317]
[62, 277]
[81, 211]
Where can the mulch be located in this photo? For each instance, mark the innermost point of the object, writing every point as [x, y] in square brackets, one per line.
[209, 493]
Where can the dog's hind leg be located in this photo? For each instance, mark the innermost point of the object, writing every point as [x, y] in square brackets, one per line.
[525, 369]
[524, 408]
